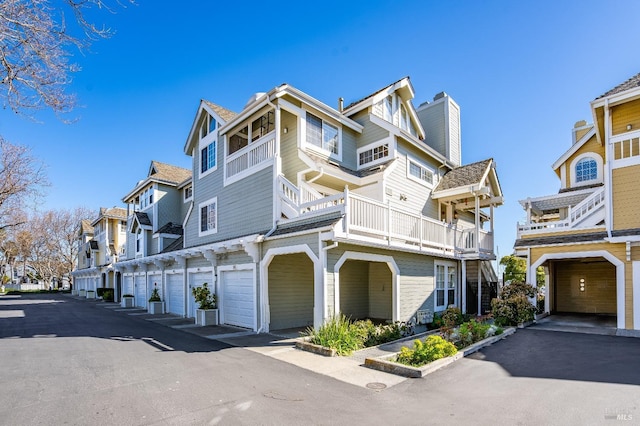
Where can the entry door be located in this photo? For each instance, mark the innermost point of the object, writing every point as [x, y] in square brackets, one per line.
[141, 291]
[238, 303]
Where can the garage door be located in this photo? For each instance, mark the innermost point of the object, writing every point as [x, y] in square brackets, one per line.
[237, 304]
[141, 291]
[175, 290]
[196, 280]
[127, 284]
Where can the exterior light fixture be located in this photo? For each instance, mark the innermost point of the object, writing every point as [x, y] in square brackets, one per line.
[629, 126]
[582, 284]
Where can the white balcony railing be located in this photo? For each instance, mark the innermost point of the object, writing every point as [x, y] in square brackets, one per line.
[251, 156]
[374, 221]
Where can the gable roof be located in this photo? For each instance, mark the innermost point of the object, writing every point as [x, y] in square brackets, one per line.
[142, 219]
[470, 174]
[568, 153]
[224, 113]
[171, 229]
[352, 104]
[85, 227]
[631, 83]
[168, 173]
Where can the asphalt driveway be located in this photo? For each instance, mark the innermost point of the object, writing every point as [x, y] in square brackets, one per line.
[69, 361]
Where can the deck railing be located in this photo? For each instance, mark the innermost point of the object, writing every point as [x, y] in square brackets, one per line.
[251, 156]
[377, 221]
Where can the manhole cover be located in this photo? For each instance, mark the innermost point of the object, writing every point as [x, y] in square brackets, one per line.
[376, 385]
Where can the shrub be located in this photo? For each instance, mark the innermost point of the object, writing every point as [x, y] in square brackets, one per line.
[512, 307]
[107, 296]
[338, 333]
[155, 295]
[433, 348]
[100, 291]
[374, 335]
[471, 332]
[204, 298]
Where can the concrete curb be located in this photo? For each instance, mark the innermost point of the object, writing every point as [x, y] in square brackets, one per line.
[385, 363]
[316, 349]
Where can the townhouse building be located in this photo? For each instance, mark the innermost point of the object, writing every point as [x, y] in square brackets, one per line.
[587, 236]
[101, 243]
[295, 211]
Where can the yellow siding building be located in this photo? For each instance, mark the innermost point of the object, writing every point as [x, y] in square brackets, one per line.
[587, 236]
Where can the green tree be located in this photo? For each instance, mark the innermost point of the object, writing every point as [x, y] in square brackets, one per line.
[515, 270]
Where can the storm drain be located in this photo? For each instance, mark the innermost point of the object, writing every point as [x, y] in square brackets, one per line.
[376, 385]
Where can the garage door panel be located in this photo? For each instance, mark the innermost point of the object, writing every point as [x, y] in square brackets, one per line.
[141, 291]
[175, 290]
[238, 300]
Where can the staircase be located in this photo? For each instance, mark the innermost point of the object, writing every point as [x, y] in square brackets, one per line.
[589, 212]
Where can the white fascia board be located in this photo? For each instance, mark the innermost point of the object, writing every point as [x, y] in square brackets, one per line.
[255, 106]
[576, 146]
[617, 98]
[331, 112]
[194, 129]
[417, 143]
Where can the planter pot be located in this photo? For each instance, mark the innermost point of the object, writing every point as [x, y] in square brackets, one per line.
[91, 294]
[127, 302]
[82, 293]
[206, 317]
[156, 308]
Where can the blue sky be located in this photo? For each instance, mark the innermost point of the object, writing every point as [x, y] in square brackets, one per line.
[523, 72]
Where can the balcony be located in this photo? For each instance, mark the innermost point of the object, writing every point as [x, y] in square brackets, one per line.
[371, 221]
[584, 210]
[248, 159]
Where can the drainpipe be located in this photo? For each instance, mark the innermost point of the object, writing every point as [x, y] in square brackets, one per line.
[608, 176]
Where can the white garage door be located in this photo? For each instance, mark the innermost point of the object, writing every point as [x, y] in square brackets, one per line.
[237, 304]
[127, 284]
[175, 290]
[141, 291]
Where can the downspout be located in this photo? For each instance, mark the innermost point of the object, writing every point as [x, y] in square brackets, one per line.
[276, 198]
[318, 176]
[324, 251]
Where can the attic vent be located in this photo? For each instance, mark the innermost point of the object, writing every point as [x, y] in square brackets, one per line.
[254, 98]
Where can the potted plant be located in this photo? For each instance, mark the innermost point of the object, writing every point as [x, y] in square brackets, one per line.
[156, 305]
[91, 294]
[127, 301]
[207, 312]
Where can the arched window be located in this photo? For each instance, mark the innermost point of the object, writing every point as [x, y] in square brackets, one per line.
[586, 169]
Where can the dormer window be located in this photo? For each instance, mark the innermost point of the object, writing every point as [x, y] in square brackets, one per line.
[208, 126]
[585, 169]
[392, 109]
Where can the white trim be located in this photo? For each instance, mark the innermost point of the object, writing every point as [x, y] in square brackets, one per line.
[620, 274]
[389, 142]
[207, 203]
[574, 148]
[318, 149]
[238, 267]
[563, 176]
[574, 163]
[447, 264]
[209, 141]
[369, 257]
[422, 165]
[636, 294]
[318, 283]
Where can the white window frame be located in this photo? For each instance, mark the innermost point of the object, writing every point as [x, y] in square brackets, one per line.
[422, 167]
[184, 192]
[208, 203]
[315, 148]
[207, 143]
[205, 127]
[372, 146]
[139, 242]
[574, 163]
[445, 288]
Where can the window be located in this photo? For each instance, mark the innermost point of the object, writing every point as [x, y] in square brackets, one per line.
[208, 157]
[208, 125]
[321, 134]
[259, 128]
[586, 169]
[239, 140]
[393, 110]
[139, 241]
[123, 226]
[419, 173]
[446, 286]
[372, 155]
[188, 192]
[209, 217]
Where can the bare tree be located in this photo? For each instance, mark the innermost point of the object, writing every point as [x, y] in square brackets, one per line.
[36, 45]
[22, 178]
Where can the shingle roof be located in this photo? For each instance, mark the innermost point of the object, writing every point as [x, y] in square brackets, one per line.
[464, 175]
[85, 226]
[377, 168]
[168, 172]
[143, 219]
[114, 212]
[224, 113]
[170, 228]
[176, 245]
[631, 83]
[306, 224]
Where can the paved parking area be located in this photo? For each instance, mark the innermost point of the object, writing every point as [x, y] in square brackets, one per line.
[69, 361]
